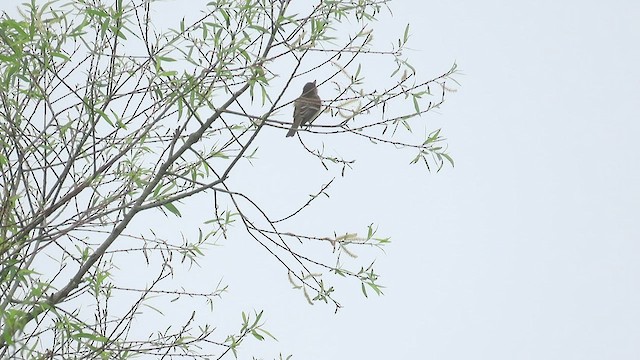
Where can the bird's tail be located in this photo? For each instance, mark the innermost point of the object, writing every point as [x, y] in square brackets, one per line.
[291, 132]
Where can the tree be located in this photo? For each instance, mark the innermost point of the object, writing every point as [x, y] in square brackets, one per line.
[107, 120]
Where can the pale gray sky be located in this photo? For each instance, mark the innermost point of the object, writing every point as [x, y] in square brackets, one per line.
[528, 249]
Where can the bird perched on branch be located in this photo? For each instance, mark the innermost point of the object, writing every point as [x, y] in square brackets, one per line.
[306, 107]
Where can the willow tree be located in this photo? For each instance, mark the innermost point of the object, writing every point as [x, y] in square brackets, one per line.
[106, 117]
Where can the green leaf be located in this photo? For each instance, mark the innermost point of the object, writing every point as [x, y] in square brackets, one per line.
[103, 115]
[259, 28]
[406, 34]
[97, 12]
[89, 336]
[165, 58]
[449, 159]
[173, 209]
[256, 335]
[168, 73]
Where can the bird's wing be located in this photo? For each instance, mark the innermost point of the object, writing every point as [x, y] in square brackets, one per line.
[307, 110]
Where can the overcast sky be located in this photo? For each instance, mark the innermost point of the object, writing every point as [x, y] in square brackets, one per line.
[527, 249]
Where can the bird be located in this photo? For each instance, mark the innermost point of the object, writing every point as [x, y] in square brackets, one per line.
[306, 107]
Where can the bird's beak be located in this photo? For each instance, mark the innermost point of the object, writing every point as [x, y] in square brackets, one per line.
[314, 82]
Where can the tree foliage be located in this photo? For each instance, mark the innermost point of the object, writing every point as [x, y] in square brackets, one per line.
[105, 118]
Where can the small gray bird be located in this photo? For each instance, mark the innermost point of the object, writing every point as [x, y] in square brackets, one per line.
[306, 107]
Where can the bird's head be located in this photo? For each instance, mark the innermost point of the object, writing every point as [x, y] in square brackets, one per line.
[309, 87]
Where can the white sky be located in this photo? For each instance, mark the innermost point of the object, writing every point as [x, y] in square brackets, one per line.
[528, 249]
